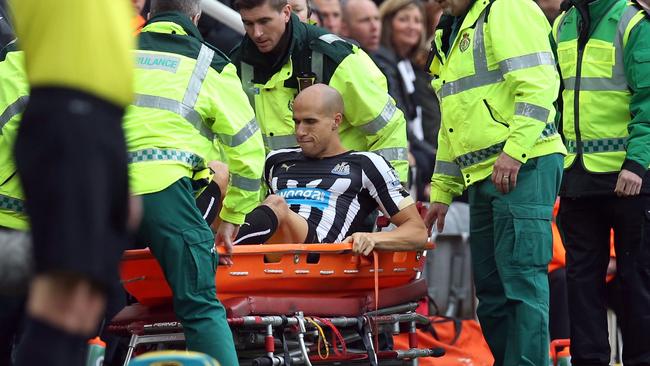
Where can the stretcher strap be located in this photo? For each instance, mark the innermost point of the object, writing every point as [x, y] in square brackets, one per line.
[376, 265]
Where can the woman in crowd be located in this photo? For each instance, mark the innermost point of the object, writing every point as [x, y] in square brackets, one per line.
[403, 38]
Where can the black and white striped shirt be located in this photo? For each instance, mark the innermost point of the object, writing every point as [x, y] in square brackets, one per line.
[335, 194]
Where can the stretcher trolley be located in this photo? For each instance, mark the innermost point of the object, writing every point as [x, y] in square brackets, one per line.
[292, 304]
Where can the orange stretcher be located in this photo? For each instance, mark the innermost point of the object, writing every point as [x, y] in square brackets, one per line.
[314, 294]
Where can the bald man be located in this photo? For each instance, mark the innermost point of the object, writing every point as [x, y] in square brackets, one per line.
[361, 22]
[329, 12]
[321, 192]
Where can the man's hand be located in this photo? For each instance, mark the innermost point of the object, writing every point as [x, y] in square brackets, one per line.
[504, 173]
[436, 215]
[362, 243]
[226, 233]
[628, 184]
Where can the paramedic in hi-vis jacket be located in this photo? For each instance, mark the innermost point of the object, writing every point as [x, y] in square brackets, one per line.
[496, 79]
[279, 56]
[603, 53]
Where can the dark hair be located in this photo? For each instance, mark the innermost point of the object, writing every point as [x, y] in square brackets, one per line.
[250, 4]
[187, 7]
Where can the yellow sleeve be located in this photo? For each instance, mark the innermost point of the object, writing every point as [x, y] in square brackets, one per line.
[447, 180]
[529, 70]
[78, 44]
[241, 141]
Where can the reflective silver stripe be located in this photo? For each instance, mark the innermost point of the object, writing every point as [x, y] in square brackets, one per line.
[598, 145]
[470, 82]
[241, 136]
[596, 84]
[382, 119]
[12, 110]
[317, 65]
[479, 156]
[526, 61]
[247, 73]
[618, 81]
[188, 158]
[393, 153]
[247, 184]
[447, 168]
[482, 76]
[12, 204]
[329, 38]
[280, 142]
[480, 59]
[532, 111]
[174, 106]
[201, 67]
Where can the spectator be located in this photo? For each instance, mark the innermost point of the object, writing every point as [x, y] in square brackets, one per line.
[551, 8]
[360, 22]
[301, 8]
[329, 12]
[402, 36]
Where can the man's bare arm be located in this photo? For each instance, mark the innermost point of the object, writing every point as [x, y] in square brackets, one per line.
[410, 234]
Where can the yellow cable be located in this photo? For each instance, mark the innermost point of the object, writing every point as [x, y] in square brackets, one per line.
[320, 336]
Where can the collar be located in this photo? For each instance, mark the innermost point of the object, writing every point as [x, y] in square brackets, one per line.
[172, 22]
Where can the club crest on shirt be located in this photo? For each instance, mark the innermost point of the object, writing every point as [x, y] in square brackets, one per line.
[394, 182]
[341, 168]
[464, 43]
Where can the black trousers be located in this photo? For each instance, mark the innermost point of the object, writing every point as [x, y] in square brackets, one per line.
[71, 158]
[585, 225]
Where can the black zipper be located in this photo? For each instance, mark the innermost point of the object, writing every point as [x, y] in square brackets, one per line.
[8, 179]
[576, 99]
[492, 115]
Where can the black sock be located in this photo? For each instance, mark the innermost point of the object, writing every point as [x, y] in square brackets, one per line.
[260, 224]
[43, 344]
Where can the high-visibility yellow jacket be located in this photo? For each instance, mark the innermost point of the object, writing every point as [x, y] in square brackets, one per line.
[371, 121]
[600, 78]
[14, 92]
[187, 98]
[497, 82]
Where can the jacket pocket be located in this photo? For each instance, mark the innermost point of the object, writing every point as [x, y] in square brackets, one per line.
[199, 244]
[641, 74]
[496, 117]
[533, 242]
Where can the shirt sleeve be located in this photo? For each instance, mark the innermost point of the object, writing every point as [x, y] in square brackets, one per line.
[383, 183]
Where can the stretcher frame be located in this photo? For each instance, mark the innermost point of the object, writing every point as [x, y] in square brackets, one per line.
[290, 335]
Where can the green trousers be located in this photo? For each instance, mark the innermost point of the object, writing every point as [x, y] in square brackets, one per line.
[182, 242]
[511, 243]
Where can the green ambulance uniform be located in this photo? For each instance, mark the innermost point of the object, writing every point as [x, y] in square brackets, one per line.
[603, 53]
[14, 92]
[496, 80]
[371, 121]
[188, 97]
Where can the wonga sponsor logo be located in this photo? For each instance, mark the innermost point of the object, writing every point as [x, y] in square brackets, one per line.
[314, 197]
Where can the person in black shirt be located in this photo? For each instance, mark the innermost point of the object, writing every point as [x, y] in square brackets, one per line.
[321, 192]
